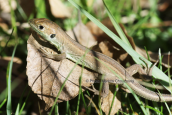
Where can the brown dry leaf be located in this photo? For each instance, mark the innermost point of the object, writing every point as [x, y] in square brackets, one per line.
[3, 25]
[82, 35]
[107, 101]
[164, 5]
[105, 49]
[58, 10]
[46, 76]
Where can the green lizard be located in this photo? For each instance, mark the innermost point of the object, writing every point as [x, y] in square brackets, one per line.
[93, 60]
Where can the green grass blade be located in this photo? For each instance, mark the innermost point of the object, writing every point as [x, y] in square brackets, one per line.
[17, 110]
[85, 105]
[9, 109]
[3, 103]
[24, 103]
[114, 95]
[56, 109]
[19, 103]
[80, 90]
[41, 8]
[116, 26]
[154, 110]
[79, 96]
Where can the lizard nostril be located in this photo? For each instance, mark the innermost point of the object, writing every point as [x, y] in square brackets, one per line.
[52, 35]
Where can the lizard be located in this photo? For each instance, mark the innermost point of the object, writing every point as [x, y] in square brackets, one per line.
[70, 49]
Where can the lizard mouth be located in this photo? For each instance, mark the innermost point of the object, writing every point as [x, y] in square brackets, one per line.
[39, 38]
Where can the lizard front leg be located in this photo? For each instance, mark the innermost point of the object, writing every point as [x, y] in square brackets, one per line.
[57, 57]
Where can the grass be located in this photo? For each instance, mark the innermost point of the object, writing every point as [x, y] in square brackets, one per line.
[153, 38]
[9, 101]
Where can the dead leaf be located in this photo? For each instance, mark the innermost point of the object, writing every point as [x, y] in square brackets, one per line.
[46, 76]
[82, 35]
[164, 5]
[105, 48]
[3, 25]
[58, 10]
[107, 101]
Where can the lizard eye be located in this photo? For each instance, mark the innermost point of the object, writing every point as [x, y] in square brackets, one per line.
[41, 27]
[52, 35]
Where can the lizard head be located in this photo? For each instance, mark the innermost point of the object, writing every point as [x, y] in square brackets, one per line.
[46, 29]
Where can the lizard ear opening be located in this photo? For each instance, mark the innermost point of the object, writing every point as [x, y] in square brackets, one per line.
[52, 35]
[40, 27]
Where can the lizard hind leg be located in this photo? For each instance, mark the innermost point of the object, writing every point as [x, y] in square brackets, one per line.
[138, 68]
[146, 75]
